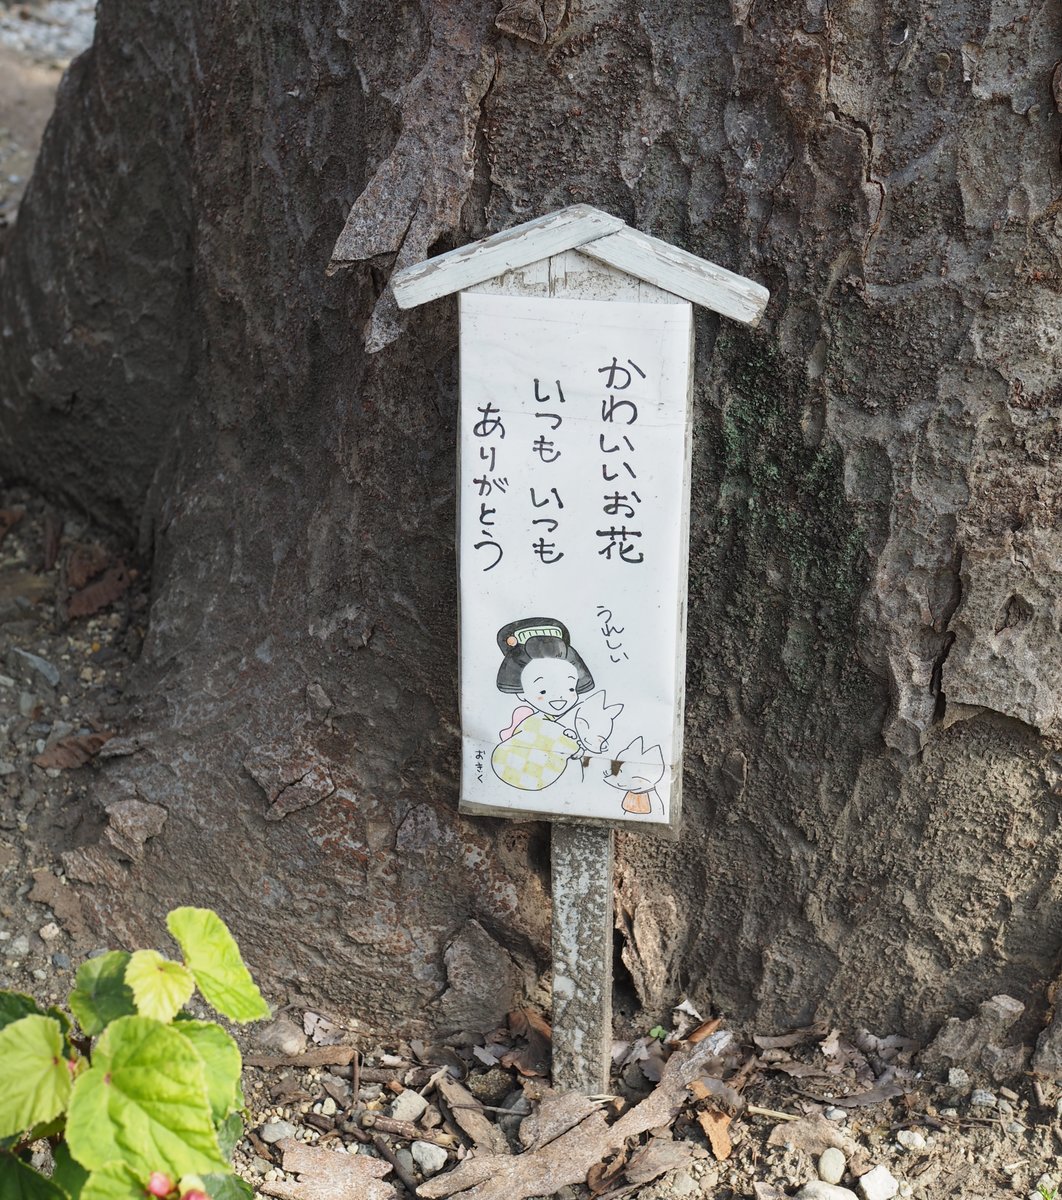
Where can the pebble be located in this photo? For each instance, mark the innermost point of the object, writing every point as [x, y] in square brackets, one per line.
[49, 932]
[7, 768]
[683, 1184]
[62, 961]
[282, 1036]
[371, 1091]
[19, 945]
[406, 1159]
[40, 974]
[981, 1098]
[261, 1165]
[328, 1107]
[274, 1131]
[819, 1189]
[832, 1165]
[430, 1158]
[27, 702]
[911, 1139]
[878, 1184]
[959, 1079]
[835, 1114]
[408, 1106]
[17, 658]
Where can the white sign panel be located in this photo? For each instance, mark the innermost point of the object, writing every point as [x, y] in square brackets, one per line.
[573, 508]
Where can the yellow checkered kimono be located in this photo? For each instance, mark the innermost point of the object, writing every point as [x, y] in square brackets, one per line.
[535, 756]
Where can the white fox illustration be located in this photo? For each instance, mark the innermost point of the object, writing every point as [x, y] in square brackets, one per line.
[636, 771]
[593, 721]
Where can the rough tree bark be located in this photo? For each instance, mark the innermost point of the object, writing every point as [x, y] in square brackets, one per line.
[874, 715]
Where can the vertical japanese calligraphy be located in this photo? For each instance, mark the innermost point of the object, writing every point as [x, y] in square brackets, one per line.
[574, 500]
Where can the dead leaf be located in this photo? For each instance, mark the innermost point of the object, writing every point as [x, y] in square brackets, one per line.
[69, 753]
[812, 1134]
[655, 1159]
[110, 586]
[602, 1175]
[705, 1029]
[9, 518]
[470, 1118]
[83, 563]
[721, 1094]
[876, 1095]
[535, 1057]
[798, 1037]
[716, 1126]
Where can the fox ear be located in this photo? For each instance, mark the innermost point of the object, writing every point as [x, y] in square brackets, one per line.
[655, 753]
[614, 710]
[634, 751]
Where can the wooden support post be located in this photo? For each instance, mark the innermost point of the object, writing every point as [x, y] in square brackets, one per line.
[582, 957]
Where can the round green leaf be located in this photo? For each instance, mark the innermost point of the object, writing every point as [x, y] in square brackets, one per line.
[143, 1102]
[19, 1181]
[36, 1077]
[221, 1061]
[161, 988]
[211, 954]
[101, 994]
[115, 1181]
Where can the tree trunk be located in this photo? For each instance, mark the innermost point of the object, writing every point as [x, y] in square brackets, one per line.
[874, 671]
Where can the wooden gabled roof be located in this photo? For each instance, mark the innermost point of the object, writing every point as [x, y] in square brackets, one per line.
[600, 236]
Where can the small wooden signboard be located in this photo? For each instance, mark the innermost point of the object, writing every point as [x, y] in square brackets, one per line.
[573, 494]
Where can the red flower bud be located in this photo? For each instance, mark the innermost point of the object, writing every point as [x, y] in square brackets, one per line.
[195, 1194]
[160, 1185]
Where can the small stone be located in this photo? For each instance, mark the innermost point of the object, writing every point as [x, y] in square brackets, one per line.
[981, 1098]
[7, 768]
[260, 1165]
[408, 1106]
[23, 660]
[819, 1189]
[1007, 1094]
[27, 702]
[878, 1184]
[406, 1159]
[371, 1091]
[1015, 1129]
[430, 1158]
[19, 945]
[281, 1036]
[835, 1114]
[683, 1184]
[49, 932]
[328, 1107]
[832, 1165]
[62, 961]
[958, 1079]
[911, 1139]
[275, 1131]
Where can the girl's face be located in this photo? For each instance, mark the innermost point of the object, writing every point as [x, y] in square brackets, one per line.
[548, 684]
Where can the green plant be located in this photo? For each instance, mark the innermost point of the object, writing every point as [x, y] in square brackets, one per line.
[1047, 1193]
[138, 1099]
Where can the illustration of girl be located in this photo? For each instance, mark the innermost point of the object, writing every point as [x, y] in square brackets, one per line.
[542, 669]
